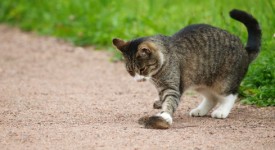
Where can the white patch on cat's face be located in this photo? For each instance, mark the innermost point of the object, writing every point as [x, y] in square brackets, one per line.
[140, 78]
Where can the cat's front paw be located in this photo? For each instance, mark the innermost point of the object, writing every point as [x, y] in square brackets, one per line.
[157, 104]
[143, 120]
[219, 114]
[162, 120]
[197, 112]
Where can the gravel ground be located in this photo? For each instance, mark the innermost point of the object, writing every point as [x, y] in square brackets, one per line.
[57, 96]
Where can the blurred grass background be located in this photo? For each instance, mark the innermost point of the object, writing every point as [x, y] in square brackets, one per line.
[96, 22]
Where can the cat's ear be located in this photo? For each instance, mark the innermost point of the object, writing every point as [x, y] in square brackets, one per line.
[119, 44]
[145, 49]
[144, 52]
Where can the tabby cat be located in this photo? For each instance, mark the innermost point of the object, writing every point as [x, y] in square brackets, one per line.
[199, 57]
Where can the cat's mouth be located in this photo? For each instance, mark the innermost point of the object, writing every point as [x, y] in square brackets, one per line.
[140, 78]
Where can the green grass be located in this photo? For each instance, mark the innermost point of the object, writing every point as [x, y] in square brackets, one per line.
[96, 22]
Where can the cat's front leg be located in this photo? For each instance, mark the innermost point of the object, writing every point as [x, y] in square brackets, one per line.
[163, 120]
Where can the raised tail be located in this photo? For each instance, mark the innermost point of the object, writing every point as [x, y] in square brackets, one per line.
[254, 31]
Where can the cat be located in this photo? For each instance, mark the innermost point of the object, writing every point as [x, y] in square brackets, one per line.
[199, 57]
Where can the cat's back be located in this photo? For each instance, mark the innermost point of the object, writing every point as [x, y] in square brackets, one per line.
[193, 29]
[202, 31]
[204, 37]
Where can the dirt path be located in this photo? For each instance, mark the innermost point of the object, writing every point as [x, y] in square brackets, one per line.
[57, 96]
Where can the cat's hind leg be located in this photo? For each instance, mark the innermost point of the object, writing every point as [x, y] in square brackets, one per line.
[209, 102]
[204, 107]
[226, 104]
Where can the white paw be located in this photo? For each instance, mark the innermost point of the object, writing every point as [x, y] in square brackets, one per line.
[220, 114]
[166, 116]
[197, 112]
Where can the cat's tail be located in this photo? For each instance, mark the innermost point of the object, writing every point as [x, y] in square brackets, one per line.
[254, 31]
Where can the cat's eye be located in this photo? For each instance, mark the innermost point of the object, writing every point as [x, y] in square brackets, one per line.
[131, 72]
[142, 70]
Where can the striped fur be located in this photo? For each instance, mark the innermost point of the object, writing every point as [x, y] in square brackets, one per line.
[199, 57]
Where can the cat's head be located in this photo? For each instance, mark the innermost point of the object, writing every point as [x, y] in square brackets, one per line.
[143, 57]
